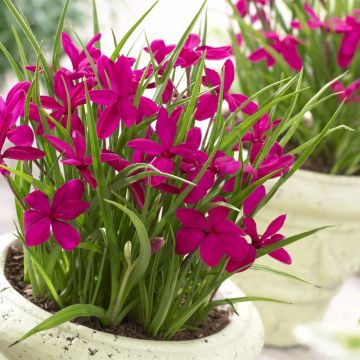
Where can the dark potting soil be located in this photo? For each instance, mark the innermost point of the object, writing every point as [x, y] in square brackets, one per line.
[316, 164]
[14, 272]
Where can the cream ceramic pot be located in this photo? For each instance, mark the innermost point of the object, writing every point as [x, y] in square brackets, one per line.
[242, 339]
[325, 259]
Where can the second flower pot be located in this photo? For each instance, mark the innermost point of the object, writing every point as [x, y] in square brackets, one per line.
[326, 259]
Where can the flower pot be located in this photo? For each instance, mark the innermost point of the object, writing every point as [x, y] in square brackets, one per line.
[326, 258]
[241, 339]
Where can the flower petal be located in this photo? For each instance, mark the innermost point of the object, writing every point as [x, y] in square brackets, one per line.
[245, 263]
[229, 75]
[48, 102]
[71, 190]
[38, 201]
[164, 165]
[227, 227]
[60, 146]
[36, 228]
[211, 250]
[66, 235]
[251, 230]
[192, 218]
[103, 97]
[203, 186]
[70, 209]
[218, 214]
[226, 165]
[23, 153]
[234, 246]
[146, 146]
[206, 107]
[70, 49]
[253, 200]
[108, 121]
[348, 48]
[236, 100]
[274, 227]
[21, 135]
[165, 128]
[281, 255]
[128, 112]
[188, 240]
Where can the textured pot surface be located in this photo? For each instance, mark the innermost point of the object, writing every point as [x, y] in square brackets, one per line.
[242, 339]
[325, 259]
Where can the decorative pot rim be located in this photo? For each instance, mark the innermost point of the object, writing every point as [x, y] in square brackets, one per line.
[329, 178]
[332, 198]
[238, 323]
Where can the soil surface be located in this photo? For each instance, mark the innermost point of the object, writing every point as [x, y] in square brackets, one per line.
[317, 165]
[14, 272]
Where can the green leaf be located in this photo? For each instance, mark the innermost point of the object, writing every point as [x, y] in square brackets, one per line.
[287, 241]
[12, 62]
[123, 41]
[47, 279]
[29, 179]
[166, 75]
[57, 41]
[258, 267]
[68, 314]
[232, 301]
[21, 50]
[144, 242]
[96, 26]
[30, 36]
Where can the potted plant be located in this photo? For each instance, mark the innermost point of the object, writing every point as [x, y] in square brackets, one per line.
[321, 38]
[131, 218]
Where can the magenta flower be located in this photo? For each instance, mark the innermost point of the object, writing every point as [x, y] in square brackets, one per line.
[347, 93]
[44, 217]
[165, 150]
[286, 47]
[215, 235]
[350, 41]
[75, 155]
[313, 23]
[260, 129]
[119, 164]
[11, 109]
[9, 112]
[80, 63]
[117, 95]
[60, 108]
[275, 160]
[208, 103]
[270, 236]
[192, 52]
[244, 263]
[242, 7]
[160, 50]
[253, 200]
[221, 165]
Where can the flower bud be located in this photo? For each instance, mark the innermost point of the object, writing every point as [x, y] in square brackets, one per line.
[156, 244]
[127, 251]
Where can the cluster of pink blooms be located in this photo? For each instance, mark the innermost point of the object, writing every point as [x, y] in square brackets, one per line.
[114, 90]
[287, 47]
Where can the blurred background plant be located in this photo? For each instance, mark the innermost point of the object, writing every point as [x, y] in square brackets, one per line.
[334, 343]
[43, 17]
[275, 39]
